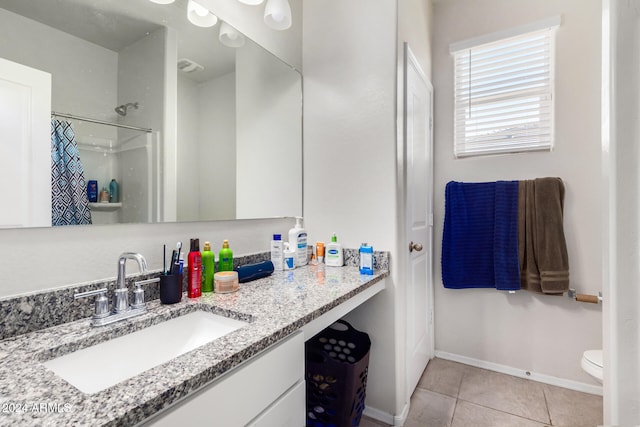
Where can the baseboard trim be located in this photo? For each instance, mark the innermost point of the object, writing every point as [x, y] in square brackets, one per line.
[378, 415]
[509, 370]
[386, 417]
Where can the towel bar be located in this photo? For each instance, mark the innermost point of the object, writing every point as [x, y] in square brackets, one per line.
[593, 299]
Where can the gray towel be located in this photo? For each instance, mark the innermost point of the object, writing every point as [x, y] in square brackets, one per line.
[542, 249]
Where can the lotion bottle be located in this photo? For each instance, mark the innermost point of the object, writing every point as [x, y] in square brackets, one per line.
[208, 269]
[194, 270]
[298, 242]
[225, 261]
[333, 255]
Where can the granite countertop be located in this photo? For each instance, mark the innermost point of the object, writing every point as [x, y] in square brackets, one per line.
[274, 307]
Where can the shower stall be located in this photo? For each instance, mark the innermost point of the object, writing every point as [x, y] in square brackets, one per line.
[128, 154]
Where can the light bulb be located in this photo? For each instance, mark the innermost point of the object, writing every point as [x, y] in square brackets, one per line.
[277, 14]
[229, 36]
[199, 15]
[199, 10]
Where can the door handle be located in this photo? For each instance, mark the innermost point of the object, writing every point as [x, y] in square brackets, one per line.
[415, 247]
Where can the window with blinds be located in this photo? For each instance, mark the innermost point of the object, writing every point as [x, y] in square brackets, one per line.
[504, 94]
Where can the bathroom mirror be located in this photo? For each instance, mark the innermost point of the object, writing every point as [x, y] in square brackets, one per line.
[211, 131]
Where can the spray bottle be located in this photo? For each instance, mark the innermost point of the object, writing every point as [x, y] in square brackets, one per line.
[194, 270]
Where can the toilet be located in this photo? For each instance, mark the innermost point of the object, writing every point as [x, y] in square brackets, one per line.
[592, 363]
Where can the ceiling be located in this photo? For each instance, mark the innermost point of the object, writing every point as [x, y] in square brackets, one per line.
[116, 24]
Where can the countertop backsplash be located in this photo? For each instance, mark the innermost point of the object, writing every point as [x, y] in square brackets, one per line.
[35, 311]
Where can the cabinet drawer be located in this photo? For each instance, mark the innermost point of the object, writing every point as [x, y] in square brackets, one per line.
[240, 395]
[288, 411]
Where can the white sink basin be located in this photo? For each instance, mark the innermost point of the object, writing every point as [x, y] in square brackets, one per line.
[96, 368]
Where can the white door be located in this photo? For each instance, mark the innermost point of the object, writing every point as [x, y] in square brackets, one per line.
[419, 219]
[25, 146]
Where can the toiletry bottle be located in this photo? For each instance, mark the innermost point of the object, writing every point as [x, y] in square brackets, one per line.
[320, 252]
[298, 242]
[366, 259]
[92, 191]
[208, 269]
[289, 257]
[333, 253]
[113, 191]
[276, 252]
[104, 195]
[225, 261]
[194, 270]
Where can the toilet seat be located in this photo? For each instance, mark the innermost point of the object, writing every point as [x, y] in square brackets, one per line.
[592, 363]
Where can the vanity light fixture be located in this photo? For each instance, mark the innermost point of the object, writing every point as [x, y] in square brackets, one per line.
[229, 36]
[200, 16]
[251, 2]
[277, 14]
[162, 1]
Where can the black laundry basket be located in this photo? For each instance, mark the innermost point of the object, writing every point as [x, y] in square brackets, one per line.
[337, 364]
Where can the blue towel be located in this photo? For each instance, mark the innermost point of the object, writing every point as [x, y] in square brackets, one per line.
[480, 238]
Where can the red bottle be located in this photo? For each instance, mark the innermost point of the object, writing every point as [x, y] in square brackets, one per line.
[194, 270]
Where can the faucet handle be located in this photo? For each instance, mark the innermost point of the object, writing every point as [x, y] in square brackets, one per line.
[101, 302]
[138, 293]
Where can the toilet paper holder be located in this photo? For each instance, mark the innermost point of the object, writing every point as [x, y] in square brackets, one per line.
[593, 299]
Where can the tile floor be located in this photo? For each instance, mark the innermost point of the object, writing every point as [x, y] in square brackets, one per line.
[451, 394]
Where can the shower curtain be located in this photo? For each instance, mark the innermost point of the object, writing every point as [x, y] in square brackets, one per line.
[69, 202]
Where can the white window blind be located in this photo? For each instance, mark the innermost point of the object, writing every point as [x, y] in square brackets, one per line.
[504, 95]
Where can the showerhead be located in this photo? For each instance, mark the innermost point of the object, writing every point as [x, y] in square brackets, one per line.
[122, 109]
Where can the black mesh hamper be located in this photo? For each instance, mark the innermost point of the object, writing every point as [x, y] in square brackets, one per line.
[337, 364]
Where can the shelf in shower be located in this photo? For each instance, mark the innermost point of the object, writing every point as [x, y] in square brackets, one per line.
[105, 207]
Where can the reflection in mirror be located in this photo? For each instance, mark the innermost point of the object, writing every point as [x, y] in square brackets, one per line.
[189, 128]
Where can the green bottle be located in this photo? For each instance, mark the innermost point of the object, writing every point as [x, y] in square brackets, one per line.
[225, 262]
[208, 268]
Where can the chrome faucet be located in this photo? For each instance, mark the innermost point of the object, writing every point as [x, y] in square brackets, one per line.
[121, 303]
[121, 308]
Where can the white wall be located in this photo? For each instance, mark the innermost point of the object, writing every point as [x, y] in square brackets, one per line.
[207, 155]
[189, 163]
[140, 76]
[349, 67]
[542, 334]
[84, 75]
[268, 134]
[217, 129]
[621, 222]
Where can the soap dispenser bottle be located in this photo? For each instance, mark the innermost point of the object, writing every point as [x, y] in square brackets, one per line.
[298, 242]
[194, 270]
[208, 269]
[225, 261]
[333, 255]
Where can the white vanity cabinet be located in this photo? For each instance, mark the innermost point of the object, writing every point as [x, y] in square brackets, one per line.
[266, 390]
